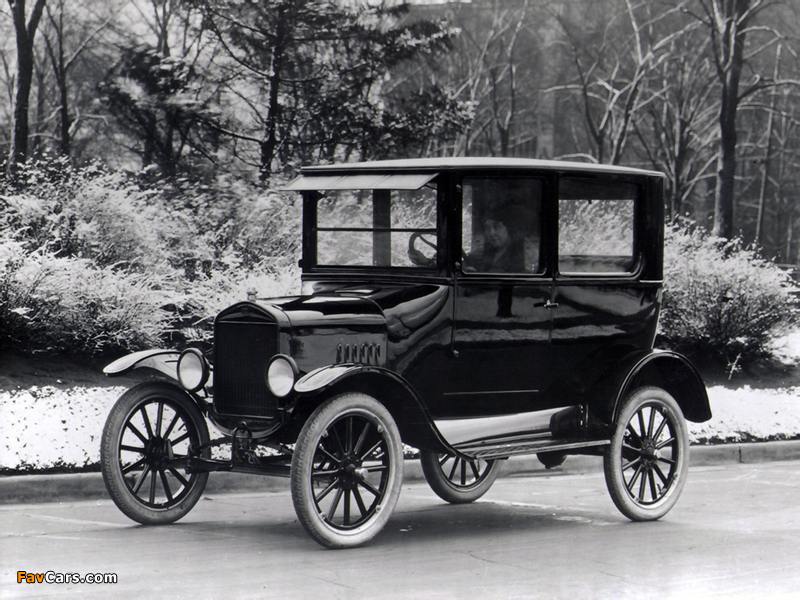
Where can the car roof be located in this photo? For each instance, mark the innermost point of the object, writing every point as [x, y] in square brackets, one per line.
[473, 162]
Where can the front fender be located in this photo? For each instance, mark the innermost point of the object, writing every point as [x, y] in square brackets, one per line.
[395, 393]
[164, 361]
[324, 377]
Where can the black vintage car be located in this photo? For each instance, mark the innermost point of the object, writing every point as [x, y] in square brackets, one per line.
[474, 309]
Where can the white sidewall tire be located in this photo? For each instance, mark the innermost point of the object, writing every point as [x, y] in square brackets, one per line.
[642, 402]
[360, 409]
[125, 411]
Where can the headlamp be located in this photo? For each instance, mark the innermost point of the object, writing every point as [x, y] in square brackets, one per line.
[281, 375]
[193, 370]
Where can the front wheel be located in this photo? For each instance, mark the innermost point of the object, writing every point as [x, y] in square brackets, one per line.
[458, 480]
[648, 459]
[152, 426]
[347, 471]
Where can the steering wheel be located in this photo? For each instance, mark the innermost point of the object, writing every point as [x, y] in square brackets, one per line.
[417, 257]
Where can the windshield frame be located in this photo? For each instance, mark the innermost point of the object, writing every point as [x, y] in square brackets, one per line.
[392, 258]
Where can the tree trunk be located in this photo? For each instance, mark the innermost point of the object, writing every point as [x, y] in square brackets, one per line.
[61, 78]
[269, 145]
[25, 33]
[723, 199]
[66, 122]
[19, 141]
[731, 59]
[60, 71]
[762, 195]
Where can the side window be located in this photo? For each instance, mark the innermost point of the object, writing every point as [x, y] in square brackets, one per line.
[367, 228]
[596, 226]
[501, 225]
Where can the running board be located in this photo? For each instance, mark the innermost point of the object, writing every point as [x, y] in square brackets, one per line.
[521, 445]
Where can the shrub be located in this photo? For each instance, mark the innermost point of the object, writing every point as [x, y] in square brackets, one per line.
[205, 296]
[95, 261]
[65, 304]
[142, 222]
[88, 213]
[229, 223]
[722, 301]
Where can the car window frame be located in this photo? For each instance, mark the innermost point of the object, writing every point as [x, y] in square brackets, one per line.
[545, 251]
[640, 210]
[310, 230]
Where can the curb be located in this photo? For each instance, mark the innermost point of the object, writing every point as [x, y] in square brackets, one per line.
[35, 489]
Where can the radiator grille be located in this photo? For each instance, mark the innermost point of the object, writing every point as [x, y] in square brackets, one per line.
[242, 350]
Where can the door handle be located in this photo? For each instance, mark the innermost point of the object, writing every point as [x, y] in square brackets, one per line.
[547, 304]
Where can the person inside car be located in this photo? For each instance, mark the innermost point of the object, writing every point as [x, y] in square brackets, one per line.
[504, 242]
[505, 247]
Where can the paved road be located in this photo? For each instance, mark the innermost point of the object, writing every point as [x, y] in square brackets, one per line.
[734, 534]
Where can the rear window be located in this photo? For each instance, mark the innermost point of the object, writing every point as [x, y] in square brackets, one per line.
[596, 226]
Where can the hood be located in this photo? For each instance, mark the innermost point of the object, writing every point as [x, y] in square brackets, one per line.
[328, 310]
[403, 309]
[340, 323]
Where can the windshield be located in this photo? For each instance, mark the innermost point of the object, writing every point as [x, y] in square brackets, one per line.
[377, 228]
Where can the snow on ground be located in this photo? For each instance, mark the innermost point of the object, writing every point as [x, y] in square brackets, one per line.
[787, 348]
[747, 414]
[46, 427]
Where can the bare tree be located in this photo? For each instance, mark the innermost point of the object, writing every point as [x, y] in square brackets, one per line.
[62, 59]
[678, 129]
[25, 26]
[772, 213]
[613, 57]
[8, 76]
[496, 72]
[729, 23]
[762, 195]
[309, 78]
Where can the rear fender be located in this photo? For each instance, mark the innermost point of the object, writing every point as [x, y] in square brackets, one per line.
[395, 393]
[164, 361]
[673, 373]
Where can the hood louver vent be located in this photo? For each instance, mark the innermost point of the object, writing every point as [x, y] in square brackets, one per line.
[367, 354]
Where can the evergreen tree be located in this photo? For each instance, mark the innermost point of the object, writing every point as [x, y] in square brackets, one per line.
[313, 79]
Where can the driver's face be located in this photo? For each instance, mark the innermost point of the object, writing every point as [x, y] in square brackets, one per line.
[496, 234]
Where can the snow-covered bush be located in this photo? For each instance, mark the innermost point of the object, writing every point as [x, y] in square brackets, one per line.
[96, 261]
[230, 224]
[89, 212]
[722, 301]
[99, 261]
[207, 295]
[65, 304]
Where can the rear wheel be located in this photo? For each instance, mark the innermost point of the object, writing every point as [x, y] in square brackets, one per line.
[648, 460]
[458, 480]
[152, 425]
[347, 471]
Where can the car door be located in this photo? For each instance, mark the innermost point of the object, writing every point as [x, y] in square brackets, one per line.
[604, 298]
[502, 319]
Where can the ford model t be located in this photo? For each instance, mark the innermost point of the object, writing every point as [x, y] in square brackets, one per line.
[473, 309]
